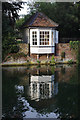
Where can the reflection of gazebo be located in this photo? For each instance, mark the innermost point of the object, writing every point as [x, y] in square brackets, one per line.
[42, 87]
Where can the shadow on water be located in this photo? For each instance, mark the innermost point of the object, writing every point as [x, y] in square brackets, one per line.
[41, 92]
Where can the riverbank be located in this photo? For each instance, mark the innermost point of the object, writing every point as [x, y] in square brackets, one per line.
[21, 59]
[24, 63]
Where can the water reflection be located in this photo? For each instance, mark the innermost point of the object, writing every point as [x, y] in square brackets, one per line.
[42, 87]
[41, 92]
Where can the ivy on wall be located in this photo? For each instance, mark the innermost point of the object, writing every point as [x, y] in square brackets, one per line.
[75, 45]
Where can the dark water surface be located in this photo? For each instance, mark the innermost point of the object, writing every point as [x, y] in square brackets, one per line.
[41, 92]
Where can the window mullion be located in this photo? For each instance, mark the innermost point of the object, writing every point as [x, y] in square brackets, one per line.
[30, 37]
[38, 37]
[50, 37]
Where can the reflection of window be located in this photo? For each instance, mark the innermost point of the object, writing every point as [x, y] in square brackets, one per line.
[44, 90]
[44, 37]
[34, 87]
[34, 38]
[52, 37]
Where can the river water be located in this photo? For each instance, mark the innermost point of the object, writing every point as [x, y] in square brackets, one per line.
[41, 92]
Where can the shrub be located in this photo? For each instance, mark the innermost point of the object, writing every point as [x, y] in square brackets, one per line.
[9, 56]
[18, 55]
[70, 61]
[78, 56]
[27, 60]
[14, 49]
[53, 59]
[38, 61]
[75, 45]
[50, 61]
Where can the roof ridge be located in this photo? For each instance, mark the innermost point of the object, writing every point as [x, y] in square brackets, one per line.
[35, 16]
[39, 19]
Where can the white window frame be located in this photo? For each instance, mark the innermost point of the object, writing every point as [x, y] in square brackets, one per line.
[43, 37]
[48, 30]
[53, 39]
[38, 36]
[57, 33]
[31, 39]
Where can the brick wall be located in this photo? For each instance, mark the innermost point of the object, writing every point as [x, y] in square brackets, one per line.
[65, 47]
[61, 47]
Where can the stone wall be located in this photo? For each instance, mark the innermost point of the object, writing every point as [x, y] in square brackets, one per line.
[65, 47]
[61, 47]
[23, 48]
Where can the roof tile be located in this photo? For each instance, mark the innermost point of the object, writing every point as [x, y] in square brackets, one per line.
[40, 20]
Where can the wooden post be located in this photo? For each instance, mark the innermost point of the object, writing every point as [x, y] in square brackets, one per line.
[37, 56]
[29, 43]
[47, 56]
[29, 49]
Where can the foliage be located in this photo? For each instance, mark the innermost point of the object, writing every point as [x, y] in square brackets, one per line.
[70, 61]
[38, 61]
[18, 55]
[9, 16]
[21, 21]
[75, 45]
[10, 9]
[28, 61]
[9, 44]
[53, 59]
[14, 56]
[19, 25]
[78, 56]
[14, 49]
[65, 14]
[52, 70]
[62, 55]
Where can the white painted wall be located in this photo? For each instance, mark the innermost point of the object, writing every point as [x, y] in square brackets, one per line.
[41, 49]
[26, 35]
[57, 32]
[53, 41]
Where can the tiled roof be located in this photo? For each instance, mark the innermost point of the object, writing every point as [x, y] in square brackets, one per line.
[39, 20]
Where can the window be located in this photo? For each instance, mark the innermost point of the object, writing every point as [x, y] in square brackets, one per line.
[44, 37]
[52, 37]
[34, 38]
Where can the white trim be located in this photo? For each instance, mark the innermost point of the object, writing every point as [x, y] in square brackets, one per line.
[53, 38]
[56, 36]
[43, 46]
[49, 36]
[31, 30]
[43, 49]
[38, 37]
[50, 33]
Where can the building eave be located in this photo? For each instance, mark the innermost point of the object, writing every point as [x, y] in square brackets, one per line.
[35, 27]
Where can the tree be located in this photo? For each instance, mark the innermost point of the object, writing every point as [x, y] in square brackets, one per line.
[9, 16]
[67, 15]
[11, 10]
